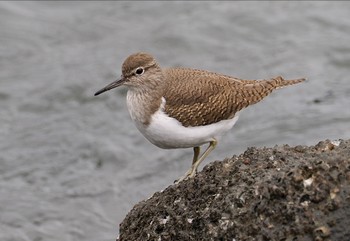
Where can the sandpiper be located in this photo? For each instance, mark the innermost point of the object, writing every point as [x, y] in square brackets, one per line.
[183, 107]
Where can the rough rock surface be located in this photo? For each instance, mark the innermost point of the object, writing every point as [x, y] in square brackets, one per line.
[280, 193]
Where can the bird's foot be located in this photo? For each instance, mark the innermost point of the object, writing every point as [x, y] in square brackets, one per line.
[189, 174]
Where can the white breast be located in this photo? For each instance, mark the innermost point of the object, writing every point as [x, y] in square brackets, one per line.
[166, 132]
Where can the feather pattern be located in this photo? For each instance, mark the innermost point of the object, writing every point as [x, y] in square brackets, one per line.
[198, 97]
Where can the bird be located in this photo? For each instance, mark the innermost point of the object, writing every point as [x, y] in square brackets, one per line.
[185, 107]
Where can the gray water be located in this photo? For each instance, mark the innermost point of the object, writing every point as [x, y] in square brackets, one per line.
[72, 165]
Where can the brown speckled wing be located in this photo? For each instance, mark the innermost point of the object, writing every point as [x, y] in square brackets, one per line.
[197, 97]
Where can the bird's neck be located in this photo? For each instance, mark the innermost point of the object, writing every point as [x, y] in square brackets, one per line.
[143, 103]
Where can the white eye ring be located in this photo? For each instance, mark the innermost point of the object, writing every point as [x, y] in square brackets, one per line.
[139, 71]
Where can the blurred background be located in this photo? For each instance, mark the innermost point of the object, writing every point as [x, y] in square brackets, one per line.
[72, 165]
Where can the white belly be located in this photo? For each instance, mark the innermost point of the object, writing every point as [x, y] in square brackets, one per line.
[166, 132]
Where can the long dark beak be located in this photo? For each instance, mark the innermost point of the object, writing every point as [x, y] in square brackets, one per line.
[111, 86]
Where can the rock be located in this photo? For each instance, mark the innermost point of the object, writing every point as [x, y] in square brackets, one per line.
[280, 193]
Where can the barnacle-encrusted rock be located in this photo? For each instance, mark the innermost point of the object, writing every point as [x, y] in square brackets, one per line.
[280, 193]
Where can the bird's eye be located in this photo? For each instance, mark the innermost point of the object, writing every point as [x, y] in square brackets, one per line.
[139, 71]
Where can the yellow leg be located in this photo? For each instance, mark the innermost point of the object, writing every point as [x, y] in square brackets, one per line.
[196, 151]
[195, 163]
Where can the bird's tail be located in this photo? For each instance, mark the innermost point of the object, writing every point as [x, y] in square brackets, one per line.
[279, 82]
[255, 91]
